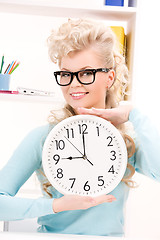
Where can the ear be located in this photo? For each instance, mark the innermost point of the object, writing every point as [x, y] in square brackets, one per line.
[110, 78]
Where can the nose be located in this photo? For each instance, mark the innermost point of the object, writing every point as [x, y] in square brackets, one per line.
[75, 82]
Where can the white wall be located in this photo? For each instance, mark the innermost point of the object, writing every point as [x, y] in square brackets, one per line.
[25, 41]
[146, 81]
[143, 217]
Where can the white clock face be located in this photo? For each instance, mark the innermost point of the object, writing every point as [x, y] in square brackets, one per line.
[84, 155]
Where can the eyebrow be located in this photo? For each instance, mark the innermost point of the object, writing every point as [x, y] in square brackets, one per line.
[83, 68]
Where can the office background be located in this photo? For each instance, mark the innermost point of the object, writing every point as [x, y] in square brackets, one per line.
[23, 37]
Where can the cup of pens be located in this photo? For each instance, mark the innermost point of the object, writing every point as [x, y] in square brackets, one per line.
[6, 76]
[4, 82]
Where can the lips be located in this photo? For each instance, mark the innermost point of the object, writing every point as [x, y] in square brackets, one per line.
[78, 95]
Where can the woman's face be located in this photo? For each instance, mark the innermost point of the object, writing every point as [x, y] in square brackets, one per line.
[88, 96]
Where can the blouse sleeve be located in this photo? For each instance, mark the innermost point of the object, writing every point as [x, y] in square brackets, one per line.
[24, 161]
[147, 155]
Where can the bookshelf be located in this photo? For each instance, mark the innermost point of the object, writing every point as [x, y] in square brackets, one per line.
[59, 9]
[29, 98]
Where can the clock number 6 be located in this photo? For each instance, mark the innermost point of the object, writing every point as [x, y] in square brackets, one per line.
[86, 187]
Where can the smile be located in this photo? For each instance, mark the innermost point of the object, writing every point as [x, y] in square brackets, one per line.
[78, 95]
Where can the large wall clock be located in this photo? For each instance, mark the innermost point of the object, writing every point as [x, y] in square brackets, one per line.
[84, 155]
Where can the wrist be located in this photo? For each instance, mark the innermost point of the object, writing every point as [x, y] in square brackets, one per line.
[56, 205]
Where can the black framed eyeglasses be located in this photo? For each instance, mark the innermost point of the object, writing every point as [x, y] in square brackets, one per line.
[85, 77]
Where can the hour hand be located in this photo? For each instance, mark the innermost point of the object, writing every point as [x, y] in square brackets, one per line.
[70, 158]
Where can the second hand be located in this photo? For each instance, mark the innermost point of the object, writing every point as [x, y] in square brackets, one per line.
[84, 157]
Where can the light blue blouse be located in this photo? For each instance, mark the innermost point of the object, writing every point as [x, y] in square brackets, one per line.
[105, 219]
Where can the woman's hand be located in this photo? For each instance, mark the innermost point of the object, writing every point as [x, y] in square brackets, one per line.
[116, 115]
[76, 202]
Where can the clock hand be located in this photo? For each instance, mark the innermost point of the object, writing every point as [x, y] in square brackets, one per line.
[70, 158]
[83, 140]
[88, 160]
[84, 157]
[74, 146]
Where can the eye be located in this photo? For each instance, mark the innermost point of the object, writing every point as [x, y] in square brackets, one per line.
[86, 73]
[65, 74]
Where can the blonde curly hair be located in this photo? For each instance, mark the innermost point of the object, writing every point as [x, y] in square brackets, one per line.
[79, 34]
[76, 35]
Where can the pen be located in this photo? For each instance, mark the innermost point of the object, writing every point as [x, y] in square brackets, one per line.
[2, 63]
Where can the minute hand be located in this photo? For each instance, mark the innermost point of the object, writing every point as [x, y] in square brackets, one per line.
[79, 151]
[84, 149]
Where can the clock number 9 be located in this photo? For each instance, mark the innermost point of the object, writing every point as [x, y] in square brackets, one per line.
[56, 158]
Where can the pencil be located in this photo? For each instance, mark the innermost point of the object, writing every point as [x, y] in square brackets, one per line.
[7, 68]
[15, 67]
[12, 67]
[2, 63]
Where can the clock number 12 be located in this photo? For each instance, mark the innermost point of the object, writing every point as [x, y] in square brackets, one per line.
[82, 128]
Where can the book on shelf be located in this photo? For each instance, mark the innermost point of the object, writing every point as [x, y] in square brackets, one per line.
[121, 38]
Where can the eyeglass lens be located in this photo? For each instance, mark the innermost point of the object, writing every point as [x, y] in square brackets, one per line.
[85, 76]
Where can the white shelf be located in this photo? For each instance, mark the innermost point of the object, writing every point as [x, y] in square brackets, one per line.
[112, 13]
[29, 98]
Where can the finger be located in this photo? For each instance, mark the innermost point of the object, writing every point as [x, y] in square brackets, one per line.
[106, 114]
[91, 111]
[104, 198]
[82, 110]
[102, 112]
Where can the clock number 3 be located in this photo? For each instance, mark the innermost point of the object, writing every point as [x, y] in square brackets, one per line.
[113, 155]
